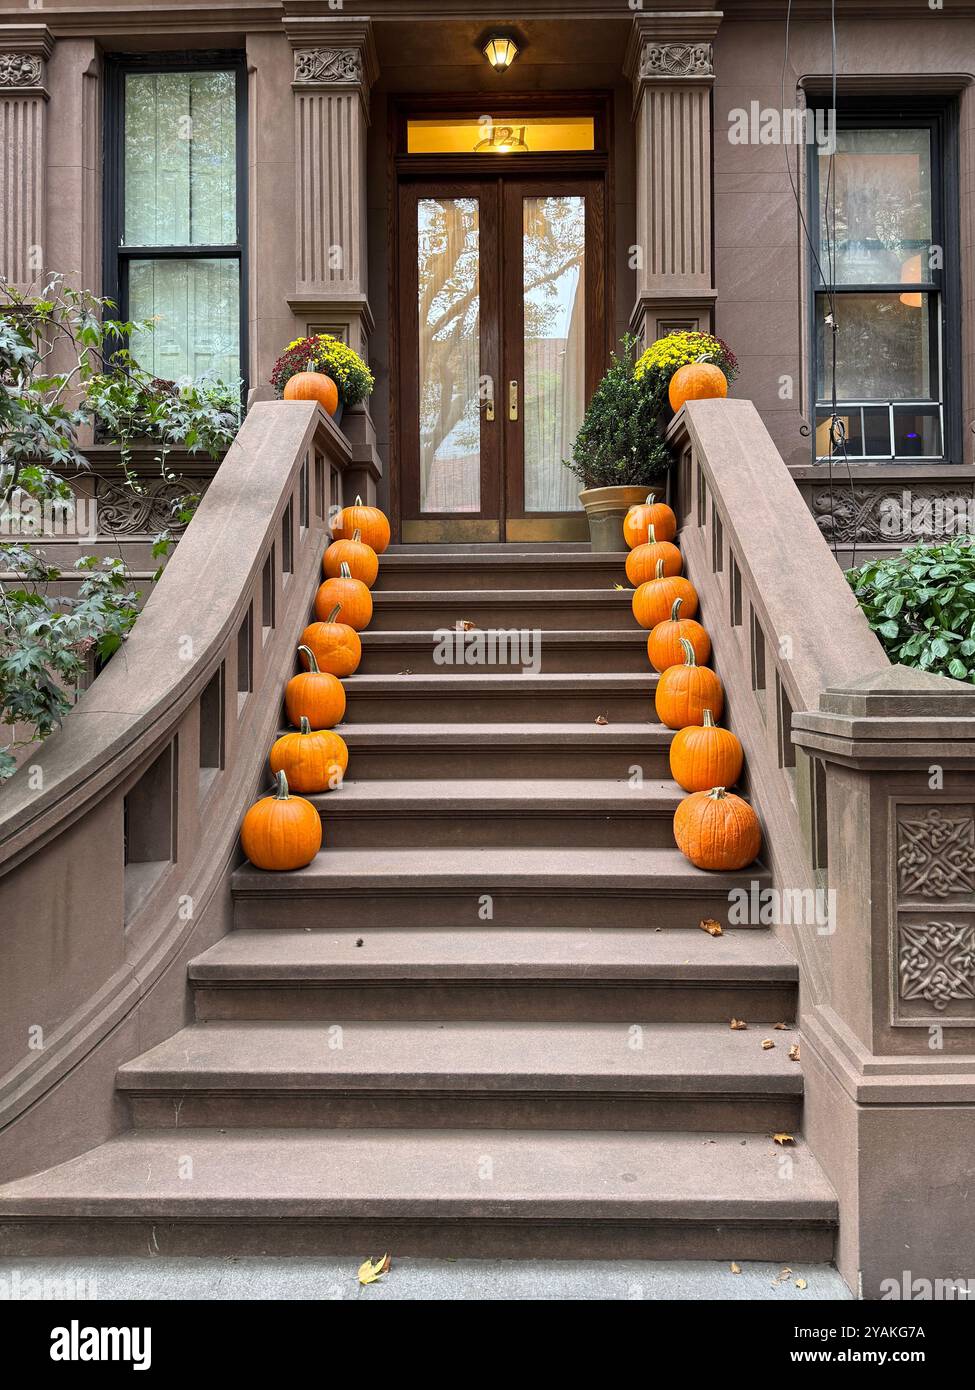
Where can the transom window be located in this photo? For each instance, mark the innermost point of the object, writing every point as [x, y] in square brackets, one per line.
[176, 213]
[881, 279]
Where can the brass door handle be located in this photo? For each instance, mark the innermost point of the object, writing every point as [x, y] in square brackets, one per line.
[512, 400]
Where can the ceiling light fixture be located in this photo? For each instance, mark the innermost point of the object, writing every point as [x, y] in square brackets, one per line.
[500, 52]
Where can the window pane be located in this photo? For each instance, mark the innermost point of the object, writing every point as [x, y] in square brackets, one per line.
[180, 159]
[881, 188]
[554, 256]
[197, 307]
[448, 266]
[917, 431]
[882, 348]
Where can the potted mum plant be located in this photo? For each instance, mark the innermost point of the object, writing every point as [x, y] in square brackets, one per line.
[665, 357]
[322, 368]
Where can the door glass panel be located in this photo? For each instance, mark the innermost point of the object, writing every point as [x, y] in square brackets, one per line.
[448, 265]
[554, 250]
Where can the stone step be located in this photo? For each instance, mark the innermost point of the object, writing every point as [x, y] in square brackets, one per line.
[428, 751]
[477, 813]
[505, 887]
[602, 974]
[543, 608]
[473, 569]
[489, 1193]
[481, 697]
[422, 653]
[428, 1075]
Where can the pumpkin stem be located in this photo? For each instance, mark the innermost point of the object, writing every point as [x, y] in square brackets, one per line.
[312, 661]
[358, 500]
[651, 535]
[650, 497]
[357, 534]
[334, 613]
[689, 659]
[659, 571]
[344, 570]
[675, 609]
[708, 719]
[717, 794]
[282, 792]
[305, 725]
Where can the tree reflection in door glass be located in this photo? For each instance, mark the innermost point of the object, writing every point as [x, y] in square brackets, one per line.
[448, 264]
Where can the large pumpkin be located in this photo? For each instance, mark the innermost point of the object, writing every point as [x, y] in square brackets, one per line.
[362, 560]
[641, 563]
[703, 756]
[697, 381]
[639, 519]
[370, 522]
[281, 831]
[314, 695]
[653, 601]
[336, 647]
[352, 596]
[685, 692]
[313, 386]
[717, 830]
[314, 760]
[663, 644]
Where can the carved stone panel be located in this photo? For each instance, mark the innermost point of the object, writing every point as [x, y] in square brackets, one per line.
[935, 852]
[936, 963]
[21, 70]
[892, 514]
[676, 60]
[329, 67]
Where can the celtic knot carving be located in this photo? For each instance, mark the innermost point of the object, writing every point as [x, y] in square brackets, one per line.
[937, 962]
[124, 512]
[20, 70]
[676, 60]
[328, 65]
[936, 855]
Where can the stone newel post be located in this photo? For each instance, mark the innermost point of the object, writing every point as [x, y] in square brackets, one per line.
[669, 61]
[24, 51]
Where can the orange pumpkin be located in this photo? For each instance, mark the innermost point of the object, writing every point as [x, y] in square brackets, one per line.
[281, 831]
[703, 756]
[314, 760]
[362, 560]
[350, 594]
[639, 519]
[663, 644]
[313, 386]
[717, 830]
[685, 692]
[697, 381]
[641, 563]
[654, 600]
[369, 521]
[314, 695]
[335, 646]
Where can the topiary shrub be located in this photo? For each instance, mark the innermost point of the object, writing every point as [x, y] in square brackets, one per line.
[619, 443]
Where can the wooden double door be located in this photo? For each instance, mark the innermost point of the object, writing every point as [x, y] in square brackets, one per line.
[501, 341]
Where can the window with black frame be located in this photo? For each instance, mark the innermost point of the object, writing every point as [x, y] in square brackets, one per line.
[175, 213]
[881, 280]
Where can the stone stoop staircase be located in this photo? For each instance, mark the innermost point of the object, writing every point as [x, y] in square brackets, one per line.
[484, 1021]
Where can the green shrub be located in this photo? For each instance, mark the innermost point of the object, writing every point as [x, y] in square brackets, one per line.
[619, 443]
[921, 604]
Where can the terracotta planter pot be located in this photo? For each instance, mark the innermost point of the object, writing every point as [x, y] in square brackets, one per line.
[605, 509]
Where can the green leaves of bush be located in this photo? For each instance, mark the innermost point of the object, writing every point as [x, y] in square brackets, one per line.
[620, 441]
[921, 604]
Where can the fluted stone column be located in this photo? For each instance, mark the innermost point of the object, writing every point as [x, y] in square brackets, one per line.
[24, 51]
[669, 61]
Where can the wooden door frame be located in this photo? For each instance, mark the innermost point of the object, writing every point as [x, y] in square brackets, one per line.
[401, 167]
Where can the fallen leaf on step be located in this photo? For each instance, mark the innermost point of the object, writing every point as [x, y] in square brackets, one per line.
[372, 1270]
[709, 925]
[465, 625]
[601, 719]
[780, 1026]
[781, 1277]
[624, 587]
[784, 1139]
[801, 1284]
[407, 672]
[738, 1025]
[767, 1043]
[735, 1268]
[794, 1053]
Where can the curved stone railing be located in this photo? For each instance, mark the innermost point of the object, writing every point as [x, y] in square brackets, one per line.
[118, 837]
[864, 773]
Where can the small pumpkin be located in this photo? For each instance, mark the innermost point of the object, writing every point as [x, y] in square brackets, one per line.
[281, 831]
[663, 644]
[704, 756]
[352, 596]
[684, 692]
[696, 381]
[335, 646]
[653, 601]
[313, 386]
[314, 695]
[639, 519]
[370, 522]
[641, 563]
[717, 830]
[362, 560]
[314, 760]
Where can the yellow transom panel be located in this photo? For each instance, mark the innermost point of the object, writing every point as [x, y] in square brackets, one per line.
[499, 134]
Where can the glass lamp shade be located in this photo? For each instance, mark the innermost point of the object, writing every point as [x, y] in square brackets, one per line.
[500, 53]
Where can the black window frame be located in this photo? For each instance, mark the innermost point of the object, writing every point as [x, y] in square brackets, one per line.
[940, 117]
[116, 256]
